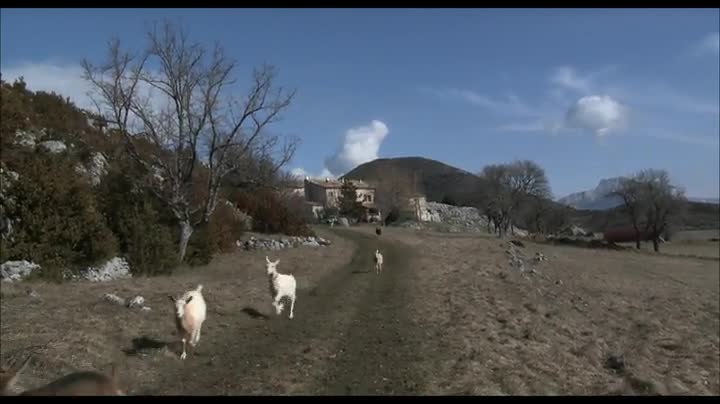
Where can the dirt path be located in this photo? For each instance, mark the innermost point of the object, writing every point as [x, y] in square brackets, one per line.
[350, 335]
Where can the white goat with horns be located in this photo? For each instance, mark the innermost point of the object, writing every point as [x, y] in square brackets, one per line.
[281, 285]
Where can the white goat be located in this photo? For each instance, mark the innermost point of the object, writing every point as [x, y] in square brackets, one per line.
[378, 262]
[281, 285]
[190, 313]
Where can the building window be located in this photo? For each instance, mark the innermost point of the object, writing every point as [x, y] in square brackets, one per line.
[368, 198]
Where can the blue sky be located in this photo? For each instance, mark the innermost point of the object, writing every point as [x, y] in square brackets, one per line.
[588, 94]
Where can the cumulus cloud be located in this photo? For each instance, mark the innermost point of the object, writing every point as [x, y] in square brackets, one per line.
[64, 79]
[360, 145]
[709, 44]
[599, 114]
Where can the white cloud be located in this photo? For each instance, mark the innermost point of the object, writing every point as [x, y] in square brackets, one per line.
[599, 114]
[67, 81]
[709, 44]
[299, 172]
[302, 173]
[508, 105]
[360, 145]
[565, 76]
[64, 79]
[523, 127]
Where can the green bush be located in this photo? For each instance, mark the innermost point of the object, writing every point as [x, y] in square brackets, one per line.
[134, 215]
[58, 223]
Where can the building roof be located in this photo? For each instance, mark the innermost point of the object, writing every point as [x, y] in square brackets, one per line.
[331, 183]
[293, 184]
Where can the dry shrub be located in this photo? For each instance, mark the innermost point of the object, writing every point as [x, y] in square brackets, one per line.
[272, 213]
[58, 221]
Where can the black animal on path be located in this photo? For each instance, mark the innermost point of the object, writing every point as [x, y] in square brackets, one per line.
[378, 230]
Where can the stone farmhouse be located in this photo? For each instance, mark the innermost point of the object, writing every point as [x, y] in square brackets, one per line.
[321, 194]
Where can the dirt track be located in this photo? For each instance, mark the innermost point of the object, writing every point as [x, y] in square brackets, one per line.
[349, 336]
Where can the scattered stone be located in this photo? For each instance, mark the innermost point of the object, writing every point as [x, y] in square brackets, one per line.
[95, 169]
[518, 243]
[12, 271]
[136, 302]
[516, 259]
[344, 222]
[116, 268]
[539, 257]
[254, 243]
[113, 298]
[453, 219]
[52, 146]
[32, 293]
[25, 138]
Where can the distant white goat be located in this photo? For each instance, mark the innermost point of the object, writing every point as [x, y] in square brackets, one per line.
[190, 313]
[378, 262]
[281, 285]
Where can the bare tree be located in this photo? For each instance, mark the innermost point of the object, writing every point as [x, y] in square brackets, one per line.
[393, 191]
[651, 202]
[630, 192]
[662, 200]
[505, 187]
[175, 95]
[537, 213]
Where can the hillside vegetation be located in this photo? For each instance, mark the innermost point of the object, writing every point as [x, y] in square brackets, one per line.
[72, 198]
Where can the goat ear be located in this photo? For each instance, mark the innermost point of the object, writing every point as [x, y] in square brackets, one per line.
[188, 300]
[277, 262]
[267, 260]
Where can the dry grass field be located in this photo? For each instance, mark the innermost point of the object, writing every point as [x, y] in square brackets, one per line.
[447, 316]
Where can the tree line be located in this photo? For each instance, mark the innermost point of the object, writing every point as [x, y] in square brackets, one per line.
[518, 194]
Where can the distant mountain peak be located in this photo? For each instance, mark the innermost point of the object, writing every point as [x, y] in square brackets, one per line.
[597, 198]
